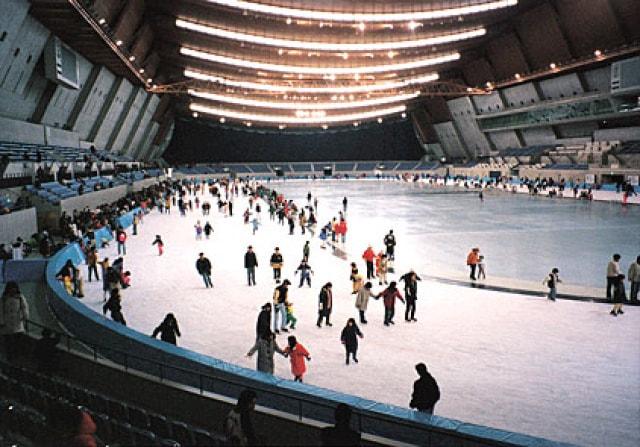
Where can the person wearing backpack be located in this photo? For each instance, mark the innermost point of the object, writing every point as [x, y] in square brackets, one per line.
[552, 283]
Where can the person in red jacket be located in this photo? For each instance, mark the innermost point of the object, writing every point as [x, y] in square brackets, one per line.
[389, 296]
[342, 230]
[297, 353]
[369, 256]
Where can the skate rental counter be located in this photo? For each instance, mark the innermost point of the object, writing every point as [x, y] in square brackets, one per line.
[134, 350]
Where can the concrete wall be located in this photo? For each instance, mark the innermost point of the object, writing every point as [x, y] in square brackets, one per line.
[520, 95]
[561, 87]
[18, 224]
[504, 139]
[93, 199]
[464, 116]
[623, 134]
[449, 139]
[106, 111]
[16, 130]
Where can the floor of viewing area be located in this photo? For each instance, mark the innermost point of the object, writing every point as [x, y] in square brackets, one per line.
[564, 370]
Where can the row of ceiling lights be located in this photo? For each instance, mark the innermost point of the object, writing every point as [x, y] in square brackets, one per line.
[362, 18]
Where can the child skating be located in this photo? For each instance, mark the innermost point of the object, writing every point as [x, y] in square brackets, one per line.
[297, 355]
[158, 241]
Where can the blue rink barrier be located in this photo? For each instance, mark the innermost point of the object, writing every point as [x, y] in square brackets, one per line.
[126, 220]
[140, 352]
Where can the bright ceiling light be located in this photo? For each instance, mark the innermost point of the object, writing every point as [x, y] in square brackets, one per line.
[361, 88]
[102, 21]
[336, 16]
[413, 25]
[241, 101]
[329, 46]
[292, 119]
[314, 70]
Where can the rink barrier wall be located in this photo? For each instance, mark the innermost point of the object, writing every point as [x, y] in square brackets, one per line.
[140, 352]
[21, 223]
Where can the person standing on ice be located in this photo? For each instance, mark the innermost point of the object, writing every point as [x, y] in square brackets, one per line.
[114, 306]
[255, 223]
[619, 296]
[266, 346]
[382, 267]
[250, 263]
[306, 250]
[426, 392]
[362, 300]
[158, 241]
[344, 204]
[198, 228]
[342, 230]
[551, 282]
[121, 237]
[291, 222]
[280, 295]
[309, 197]
[263, 324]
[356, 279]
[369, 256]
[411, 294]
[390, 244]
[472, 262]
[389, 296]
[305, 272]
[323, 237]
[168, 330]
[276, 264]
[203, 266]
[349, 338]
[208, 229]
[325, 304]
[297, 354]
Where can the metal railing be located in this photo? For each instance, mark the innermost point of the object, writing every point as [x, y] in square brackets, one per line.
[418, 433]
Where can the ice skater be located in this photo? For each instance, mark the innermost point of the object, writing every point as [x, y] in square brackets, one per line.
[306, 250]
[305, 272]
[280, 296]
[208, 229]
[323, 237]
[382, 267]
[389, 296]
[168, 329]
[472, 262]
[114, 306]
[297, 355]
[291, 318]
[349, 338]
[411, 294]
[255, 223]
[481, 268]
[203, 266]
[266, 346]
[369, 256]
[356, 279]
[390, 244]
[158, 241]
[198, 228]
[619, 296]
[250, 263]
[551, 282]
[121, 237]
[426, 392]
[276, 262]
[362, 300]
[344, 204]
[325, 305]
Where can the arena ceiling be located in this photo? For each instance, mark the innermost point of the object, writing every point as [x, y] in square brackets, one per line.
[298, 63]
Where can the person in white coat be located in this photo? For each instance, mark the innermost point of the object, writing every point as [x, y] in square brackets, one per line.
[362, 300]
[14, 313]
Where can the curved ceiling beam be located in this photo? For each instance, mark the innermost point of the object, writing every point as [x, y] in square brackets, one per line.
[315, 116]
[326, 46]
[243, 101]
[336, 16]
[329, 89]
[313, 70]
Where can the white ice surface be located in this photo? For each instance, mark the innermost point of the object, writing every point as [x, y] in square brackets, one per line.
[567, 371]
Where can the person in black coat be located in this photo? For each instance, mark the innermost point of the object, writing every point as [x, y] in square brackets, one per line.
[168, 329]
[276, 264]
[250, 263]
[425, 391]
[264, 321]
[203, 266]
[113, 305]
[341, 434]
[325, 304]
[349, 338]
[411, 294]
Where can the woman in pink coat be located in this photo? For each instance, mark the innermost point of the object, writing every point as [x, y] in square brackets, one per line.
[297, 353]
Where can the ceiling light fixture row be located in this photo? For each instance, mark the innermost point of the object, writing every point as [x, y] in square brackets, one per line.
[329, 46]
[329, 89]
[296, 118]
[315, 70]
[362, 18]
